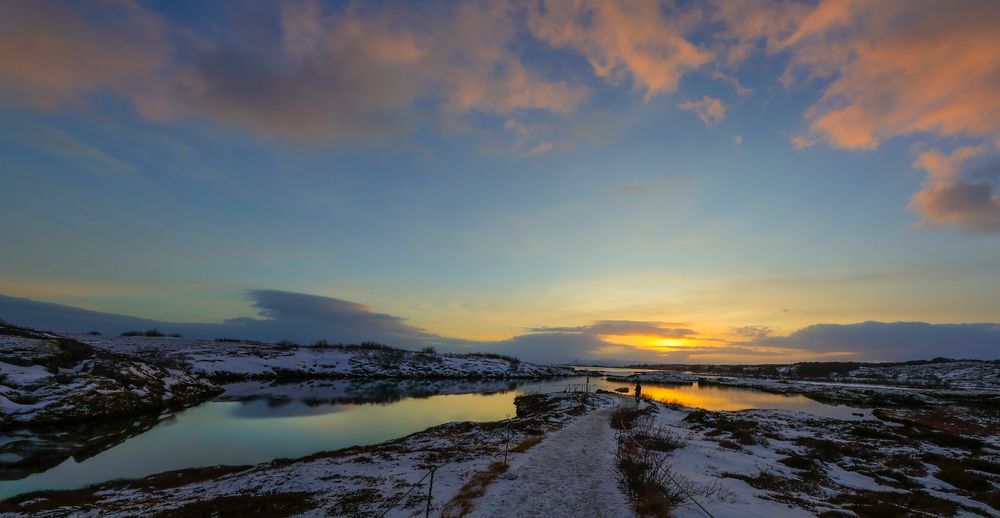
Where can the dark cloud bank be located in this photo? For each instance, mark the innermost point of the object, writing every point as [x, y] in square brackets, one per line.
[307, 318]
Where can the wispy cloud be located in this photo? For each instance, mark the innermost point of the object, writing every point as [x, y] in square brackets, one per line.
[753, 331]
[709, 109]
[899, 68]
[624, 39]
[543, 147]
[654, 186]
[623, 327]
[53, 53]
[60, 144]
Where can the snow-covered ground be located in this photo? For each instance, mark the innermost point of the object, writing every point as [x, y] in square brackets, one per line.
[864, 395]
[955, 374]
[51, 380]
[757, 463]
[931, 449]
[777, 463]
[568, 474]
[660, 377]
[248, 360]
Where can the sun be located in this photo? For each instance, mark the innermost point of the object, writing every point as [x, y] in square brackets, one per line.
[656, 343]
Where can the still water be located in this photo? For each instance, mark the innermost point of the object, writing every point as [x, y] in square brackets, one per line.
[254, 423]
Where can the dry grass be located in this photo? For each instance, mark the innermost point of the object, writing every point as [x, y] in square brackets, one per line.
[461, 505]
[527, 444]
[624, 417]
[39, 501]
[876, 504]
[643, 466]
[274, 505]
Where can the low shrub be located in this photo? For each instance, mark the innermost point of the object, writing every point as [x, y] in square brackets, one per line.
[151, 333]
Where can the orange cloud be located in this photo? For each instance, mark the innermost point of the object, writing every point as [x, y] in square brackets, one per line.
[897, 67]
[622, 39]
[745, 23]
[340, 72]
[708, 109]
[363, 70]
[900, 68]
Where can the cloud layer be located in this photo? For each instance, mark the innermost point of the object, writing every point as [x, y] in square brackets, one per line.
[896, 340]
[954, 195]
[308, 318]
[53, 53]
[709, 109]
[645, 40]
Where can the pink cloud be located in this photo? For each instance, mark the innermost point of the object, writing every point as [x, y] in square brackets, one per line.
[54, 53]
[709, 109]
[949, 199]
[901, 68]
[346, 72]
[623, 39]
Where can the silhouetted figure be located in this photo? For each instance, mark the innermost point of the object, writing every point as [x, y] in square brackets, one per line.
[638, 391]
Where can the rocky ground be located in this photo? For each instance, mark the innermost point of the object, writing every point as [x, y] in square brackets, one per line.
[657, 377]
[232, 360]
[771, 463]
[866, 395]
[53, 380]
[62, 398]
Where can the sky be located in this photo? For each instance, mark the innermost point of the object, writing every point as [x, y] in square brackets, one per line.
[675, 181]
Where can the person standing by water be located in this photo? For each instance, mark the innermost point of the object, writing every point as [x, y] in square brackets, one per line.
[638, 391]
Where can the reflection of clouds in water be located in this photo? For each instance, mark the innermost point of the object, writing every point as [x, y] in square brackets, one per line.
[269, 408]
[355, 392]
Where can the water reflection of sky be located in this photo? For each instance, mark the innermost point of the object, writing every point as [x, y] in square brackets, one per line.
[258, 430]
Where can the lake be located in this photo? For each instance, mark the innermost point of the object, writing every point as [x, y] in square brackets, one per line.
[257, 422]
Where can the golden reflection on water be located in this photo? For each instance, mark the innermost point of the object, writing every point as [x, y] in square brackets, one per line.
[720, 398]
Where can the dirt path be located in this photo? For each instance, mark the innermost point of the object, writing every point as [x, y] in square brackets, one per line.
[569, 474]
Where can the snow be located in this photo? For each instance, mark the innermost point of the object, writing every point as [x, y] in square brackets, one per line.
[569, 474]
[661, 377]
[44, 380]
[256, 360]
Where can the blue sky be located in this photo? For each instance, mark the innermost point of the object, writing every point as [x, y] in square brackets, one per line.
[484, 169]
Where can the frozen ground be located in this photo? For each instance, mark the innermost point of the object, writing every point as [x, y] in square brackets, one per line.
[51, 380]
[569, 474]
[865, 395]
[955, 374]
[234, 360]
[659, 377]
[767, 463]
